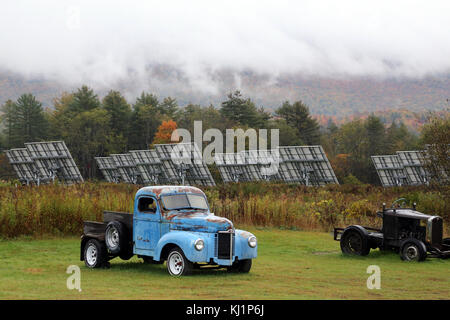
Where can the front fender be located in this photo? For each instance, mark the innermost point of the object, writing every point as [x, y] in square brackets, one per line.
[242, 249]
[185, 241]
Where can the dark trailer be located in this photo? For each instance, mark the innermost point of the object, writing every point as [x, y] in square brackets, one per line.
[414, 235]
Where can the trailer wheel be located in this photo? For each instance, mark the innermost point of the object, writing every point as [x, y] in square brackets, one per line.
[177, 264]
[354, 242]
[94, 254]
[116, 237]
[413, 250]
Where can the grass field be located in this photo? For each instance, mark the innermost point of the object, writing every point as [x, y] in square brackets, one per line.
[290, 265]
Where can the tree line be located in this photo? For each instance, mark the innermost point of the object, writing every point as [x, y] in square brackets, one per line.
[91, 127]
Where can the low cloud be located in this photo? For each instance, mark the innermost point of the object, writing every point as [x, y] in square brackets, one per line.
[109, 42]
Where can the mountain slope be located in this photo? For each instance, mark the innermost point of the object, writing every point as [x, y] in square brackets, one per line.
[340, 98]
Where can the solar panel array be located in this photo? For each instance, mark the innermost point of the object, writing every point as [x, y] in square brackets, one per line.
[180, 163]
[149, 166]
[262, 164]
[183, 163]
[390, 170]
[126, 167]
[22, 164]
[41, 162]
[403, 168]
[108, 168]
[233, 167]
[306, 165]
[413, 163]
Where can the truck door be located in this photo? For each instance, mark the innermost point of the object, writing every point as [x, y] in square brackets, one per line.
[146, 225]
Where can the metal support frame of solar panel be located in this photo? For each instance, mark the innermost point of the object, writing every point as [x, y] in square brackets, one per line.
[263, 165]
[307, 165]
[54, 161]
[413, 166]
[389, 170]
[186, 165]
[149, 166]
[23, 165]
[108, 168]
[232, 167]
[126, 167]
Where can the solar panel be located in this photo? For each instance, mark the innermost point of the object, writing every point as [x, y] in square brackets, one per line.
[262, 165]
[232, 167]
[413, 164]
[307, 165]
[53, 160]
[22, 164]
[183, 164]
[108, 168]
[126, 167]
[389, 170]
[149, 166]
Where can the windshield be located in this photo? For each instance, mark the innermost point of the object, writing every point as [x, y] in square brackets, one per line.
[184, 201]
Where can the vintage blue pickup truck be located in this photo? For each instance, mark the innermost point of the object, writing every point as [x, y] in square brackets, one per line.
[172, 224]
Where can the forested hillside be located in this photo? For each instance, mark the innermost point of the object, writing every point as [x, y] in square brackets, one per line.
[338, 99]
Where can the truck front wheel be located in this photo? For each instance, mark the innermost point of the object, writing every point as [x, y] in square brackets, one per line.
[94, 254]
[177, 264]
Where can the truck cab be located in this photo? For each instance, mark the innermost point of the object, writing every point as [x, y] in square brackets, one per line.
[172, 224]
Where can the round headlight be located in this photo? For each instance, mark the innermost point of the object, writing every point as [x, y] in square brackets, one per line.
[252, 241]
[199, 244]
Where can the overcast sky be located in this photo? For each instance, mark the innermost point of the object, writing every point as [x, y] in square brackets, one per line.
[104, 41]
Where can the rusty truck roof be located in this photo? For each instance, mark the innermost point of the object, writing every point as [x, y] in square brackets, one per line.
[161, 190]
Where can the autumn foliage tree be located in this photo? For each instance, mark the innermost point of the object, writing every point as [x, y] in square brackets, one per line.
[164, 133]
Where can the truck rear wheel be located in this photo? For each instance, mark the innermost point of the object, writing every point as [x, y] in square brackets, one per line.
[413, 250]
[177, 264]
[94, 254]
[354, 242]
[116, 237]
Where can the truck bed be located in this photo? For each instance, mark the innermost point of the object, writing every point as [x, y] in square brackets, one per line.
[125, 217]
[97, 229]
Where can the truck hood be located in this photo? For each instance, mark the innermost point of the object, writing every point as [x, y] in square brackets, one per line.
[197, 221]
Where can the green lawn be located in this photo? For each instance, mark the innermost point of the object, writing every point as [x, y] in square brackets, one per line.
[290, 265]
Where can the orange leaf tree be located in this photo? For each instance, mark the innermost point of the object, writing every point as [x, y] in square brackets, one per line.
[164, 133]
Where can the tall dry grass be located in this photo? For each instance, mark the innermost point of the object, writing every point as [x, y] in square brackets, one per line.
[60, 210]
[319, 208]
